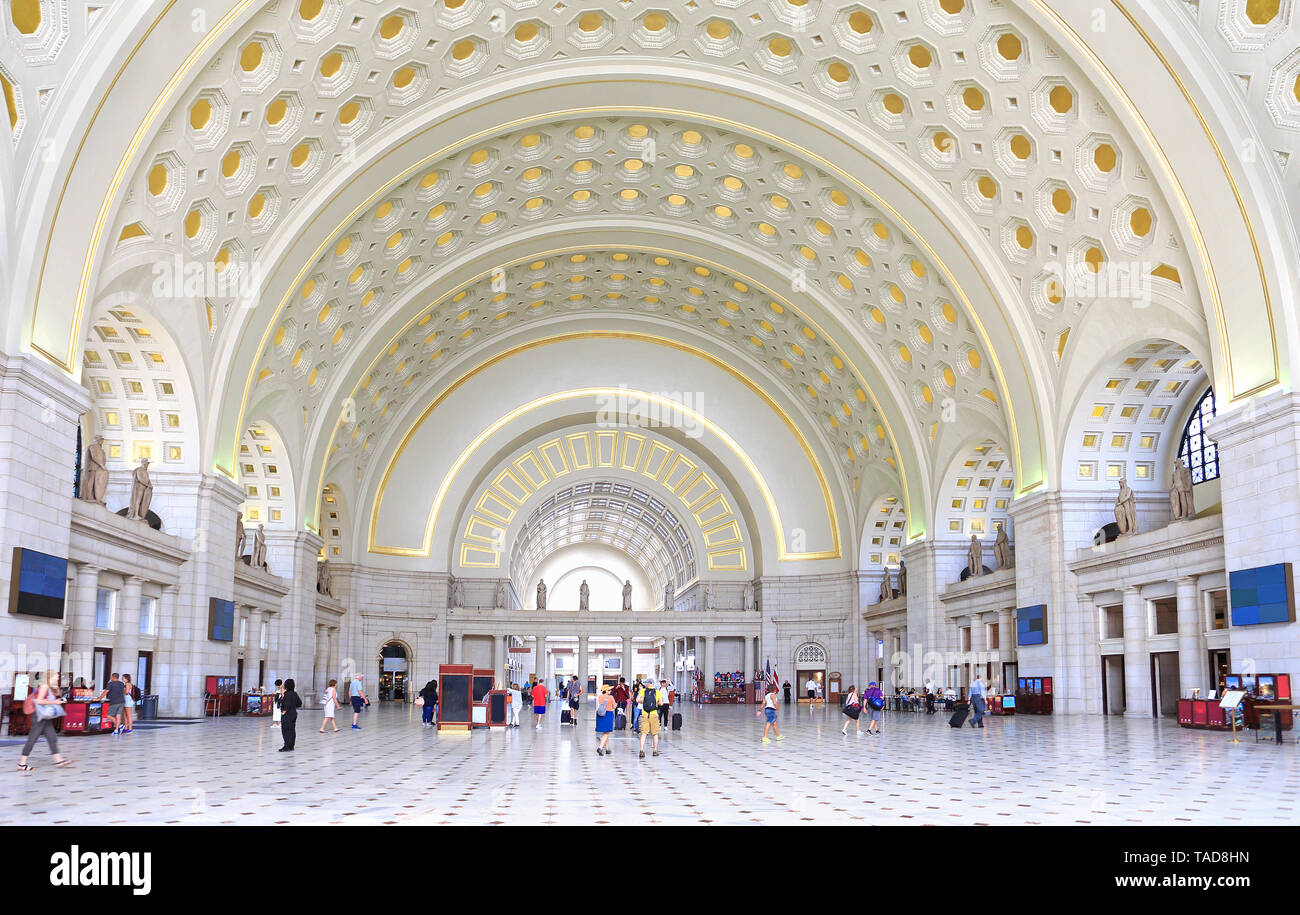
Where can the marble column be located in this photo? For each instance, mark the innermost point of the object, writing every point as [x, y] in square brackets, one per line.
[320, 659]
[539, 657]
[1137, 660]
[81, 639]
[747, 653]
[708, 670]
[890, 678]
[331, 653]
[167, 661]
[979, 646]
[1192, 653]
[253, 651]
[583, 648]
[629, 657]
[457, 648]
[498, 660]
[1006, 635]
[126, 651]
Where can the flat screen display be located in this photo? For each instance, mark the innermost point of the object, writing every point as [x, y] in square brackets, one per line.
[497, 708]
[482, 686]
[40, 583]
[1262, 595]
[221, 620]
[1008, 701]
[453, 698]
[1031, 625]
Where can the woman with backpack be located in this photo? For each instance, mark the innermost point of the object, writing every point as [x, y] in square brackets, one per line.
[875, 702]
[131, 695]
[429, 696]
[605, 706]
[42, 706]
[852, 711]
[290, 702]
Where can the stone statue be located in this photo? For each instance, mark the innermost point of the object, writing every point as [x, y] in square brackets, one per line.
[541, 594]
[584, 596]
[975, 557]
[1180, 493]
[94, 472]
[670, 596]
[627, 594]
[141, 493]
[324, 580]
[902, 577]
[259, 549]
[241, 536]
[457, 592]
[707, 597]
[500, 602]
[1126, 510]
[749, 595]
[1002, 548]
[886, 587]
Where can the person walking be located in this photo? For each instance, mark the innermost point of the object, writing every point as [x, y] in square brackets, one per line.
[291, 702]
[665, 705]
[42, 706]
[357, 693]
[429, 695]
[635, 723]
[852, 712]
[768, 711]
[115, 695]
[129, 694]
[622, 695]
[650, 724]
[977, 704]
[575, 697]
[605, 706]
[874, 700]
[276, 711]
[811, 689]
[516, 703]
[331, 702]
[539, 703]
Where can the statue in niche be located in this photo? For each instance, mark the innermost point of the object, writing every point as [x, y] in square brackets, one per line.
[457, 592]
[541, 594]
[584, 596]
[1180, 493]
[707, 598]
[241, 536]
[886, 587]
[259, 549]
[627, 594]
[1002, 548]
[141, 493]
[902, 577]
[749, 595]
[500, 602]
[1126, 510]
[975, 557]
[670, 596]
[324, 579]
[94, 472]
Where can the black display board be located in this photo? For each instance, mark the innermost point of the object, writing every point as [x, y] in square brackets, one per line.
[496, 708]
[482, 686]
[453, 698]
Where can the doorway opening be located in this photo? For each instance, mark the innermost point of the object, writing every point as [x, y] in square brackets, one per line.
[393, 671]
[1112, 684]
[1164, 684]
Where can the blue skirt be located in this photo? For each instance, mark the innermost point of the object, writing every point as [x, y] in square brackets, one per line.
[605, 723]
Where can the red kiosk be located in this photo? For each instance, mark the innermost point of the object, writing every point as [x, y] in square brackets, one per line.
[455, 697]
[1034, 695]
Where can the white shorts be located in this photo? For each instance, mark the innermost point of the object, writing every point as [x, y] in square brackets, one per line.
[329, 709]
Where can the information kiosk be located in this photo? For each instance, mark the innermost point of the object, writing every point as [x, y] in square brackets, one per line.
[455, 697]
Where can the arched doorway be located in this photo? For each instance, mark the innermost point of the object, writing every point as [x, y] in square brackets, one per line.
[394, 670]
[810, 667]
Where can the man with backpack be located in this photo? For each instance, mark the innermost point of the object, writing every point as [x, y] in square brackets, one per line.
[650, 723]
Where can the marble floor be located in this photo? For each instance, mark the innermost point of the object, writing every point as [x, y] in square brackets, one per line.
[1023, 770]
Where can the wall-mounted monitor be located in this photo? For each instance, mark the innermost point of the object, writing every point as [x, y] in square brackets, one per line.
[1262, 595]
[39, 584]
[221, 620]
[1031, 625]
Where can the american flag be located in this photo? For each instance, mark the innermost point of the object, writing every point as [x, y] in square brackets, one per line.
[770, 675]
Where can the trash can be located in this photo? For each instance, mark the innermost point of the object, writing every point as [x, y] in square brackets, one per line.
[148, 708]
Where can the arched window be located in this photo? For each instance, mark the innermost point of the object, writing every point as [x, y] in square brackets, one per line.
[1196, 451]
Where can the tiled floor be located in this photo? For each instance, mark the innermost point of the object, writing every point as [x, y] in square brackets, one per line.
[1052, 770]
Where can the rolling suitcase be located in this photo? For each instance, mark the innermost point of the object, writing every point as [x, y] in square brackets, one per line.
[565, 717]
[620, 720]
[959, 717]
[677, 721]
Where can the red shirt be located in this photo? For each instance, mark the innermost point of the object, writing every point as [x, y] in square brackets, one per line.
[620, 694]
[539, 695]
